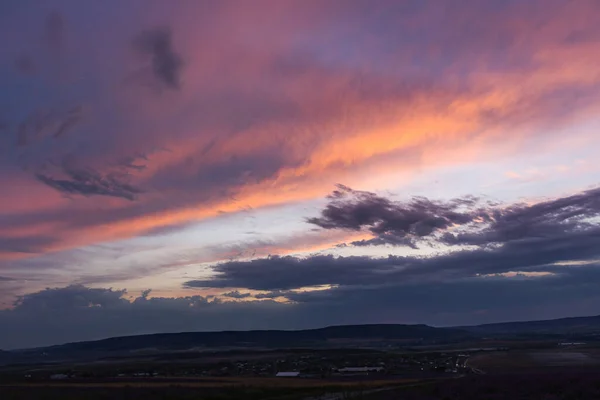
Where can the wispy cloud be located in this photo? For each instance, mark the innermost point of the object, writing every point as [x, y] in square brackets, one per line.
[392, 222]
[157, 44]
[88, 182]
[46, 123]
[236, 294]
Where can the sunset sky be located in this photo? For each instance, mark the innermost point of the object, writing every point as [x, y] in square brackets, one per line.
[203, 165]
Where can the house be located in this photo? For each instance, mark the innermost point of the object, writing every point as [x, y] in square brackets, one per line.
[288, 374]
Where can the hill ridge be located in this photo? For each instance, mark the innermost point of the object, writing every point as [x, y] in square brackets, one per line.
[266, 337]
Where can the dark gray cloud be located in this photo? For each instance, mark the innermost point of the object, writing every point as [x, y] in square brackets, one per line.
[71, 297]
[99, 313]
[396, 223]
[166, 63]
[480, 299]
[569, 214]
[272, 295]
[236, 294]
[6, 279]
[553, 247]
[471, 222]
[530, 238]
[93, 313]
[86, 181]
[284, 273]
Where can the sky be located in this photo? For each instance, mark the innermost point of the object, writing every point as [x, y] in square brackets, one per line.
[204, 165]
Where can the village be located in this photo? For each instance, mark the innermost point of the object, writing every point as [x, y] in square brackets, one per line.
[317, 364]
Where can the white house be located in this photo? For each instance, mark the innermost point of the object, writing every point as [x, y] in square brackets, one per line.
[288, 374]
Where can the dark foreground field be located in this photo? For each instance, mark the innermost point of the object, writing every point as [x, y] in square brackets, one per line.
[551, 384]
[139, 392]
[143, 393]
[225, 389]
[555, 384]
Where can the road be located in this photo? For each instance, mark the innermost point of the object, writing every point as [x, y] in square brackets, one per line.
[473, 369]
[360, 393]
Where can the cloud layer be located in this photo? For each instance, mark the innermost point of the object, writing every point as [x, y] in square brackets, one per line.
[100, 313]
[464, 221]
[187, 134]
[280, 102]
[522, 262]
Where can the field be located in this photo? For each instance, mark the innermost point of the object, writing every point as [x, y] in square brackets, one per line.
[545, 370]
[224, 382]
[549, 384]
[199, 389]
[554, 384]
[522, 359]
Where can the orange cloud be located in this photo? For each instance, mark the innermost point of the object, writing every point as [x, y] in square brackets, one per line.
[276, 106]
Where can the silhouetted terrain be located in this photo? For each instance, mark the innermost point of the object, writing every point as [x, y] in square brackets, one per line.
[519, 360]
[332, 336]
[566, 329]
[576, 325]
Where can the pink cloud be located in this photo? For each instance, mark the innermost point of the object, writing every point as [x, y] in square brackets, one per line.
[277, 101]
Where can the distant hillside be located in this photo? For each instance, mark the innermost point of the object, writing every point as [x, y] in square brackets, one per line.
[331, 336]
[334, 336]
[357, 336]
[562, 326]
[5, 356]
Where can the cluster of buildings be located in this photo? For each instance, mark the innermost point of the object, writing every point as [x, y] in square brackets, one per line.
[294, 364]
[386, 364]
[345, 371]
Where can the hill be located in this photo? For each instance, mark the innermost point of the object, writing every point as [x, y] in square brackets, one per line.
[562, 326]
[270, 338]
[334, 336]
[357, 336]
